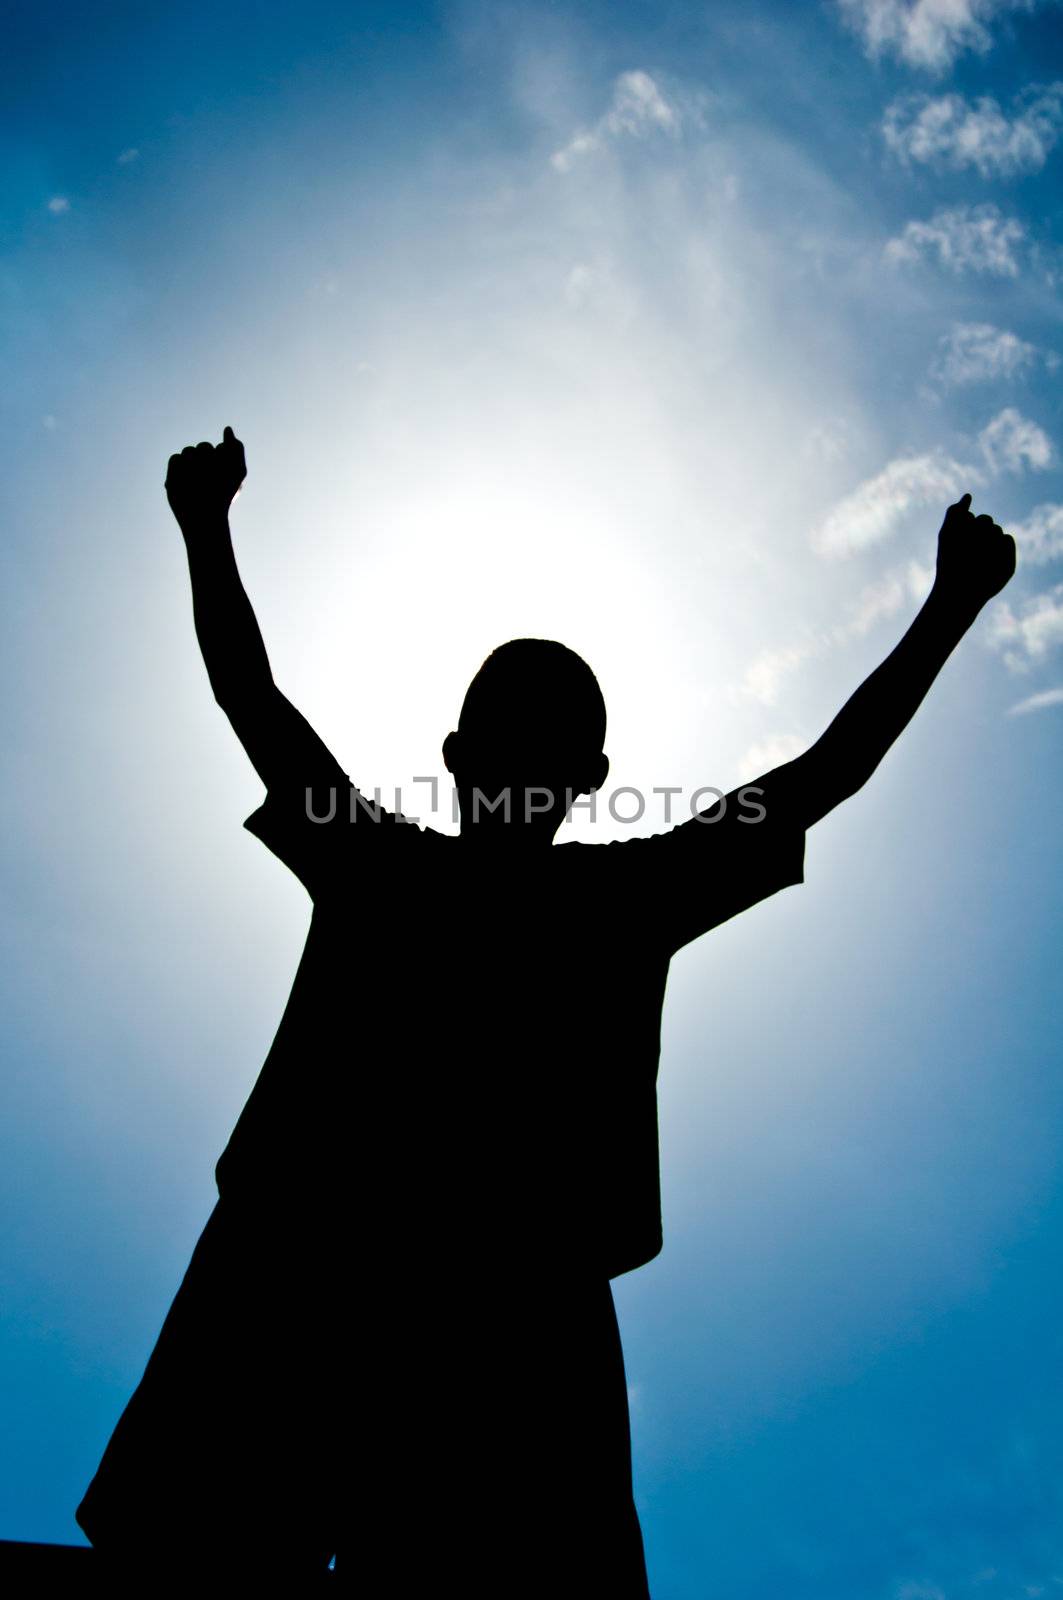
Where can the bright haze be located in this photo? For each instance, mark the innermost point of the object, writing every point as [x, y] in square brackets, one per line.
[667, 331]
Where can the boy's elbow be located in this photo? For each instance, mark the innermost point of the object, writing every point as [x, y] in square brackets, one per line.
[240, 696]
[822, 782]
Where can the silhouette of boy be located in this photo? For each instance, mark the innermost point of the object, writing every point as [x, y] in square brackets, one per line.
[396, 1342]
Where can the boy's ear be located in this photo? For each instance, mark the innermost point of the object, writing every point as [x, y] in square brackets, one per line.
[451, 750]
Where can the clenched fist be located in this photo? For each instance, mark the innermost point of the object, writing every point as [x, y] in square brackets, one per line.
[975, 557]
[203, 480]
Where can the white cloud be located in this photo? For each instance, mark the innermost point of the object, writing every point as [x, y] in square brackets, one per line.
[977, 352]
[579, 283]
[767, 754]
[132, 154]
[58, 204]
[829, 441]
[874, 509]
[948, 131]
[964, 239]
[638, 108]
[880, 599]
[926, 33]
[884, 598]
[597, 286]
[1026, 636]
[763, 677]
[1040, 537]
[1011, 442]
[1038, 702]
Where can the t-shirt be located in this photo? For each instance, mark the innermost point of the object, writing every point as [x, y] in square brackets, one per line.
[468, 1058]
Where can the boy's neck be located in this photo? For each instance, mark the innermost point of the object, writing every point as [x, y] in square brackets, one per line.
[508, 838]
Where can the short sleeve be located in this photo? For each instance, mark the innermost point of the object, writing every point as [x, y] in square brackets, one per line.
[321, 831]
[711, 867]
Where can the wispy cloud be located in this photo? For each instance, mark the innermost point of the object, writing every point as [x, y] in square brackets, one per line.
[926, 33]
[874, 510]
[58, 204]
[1038, 702]
[638, 108]
[1011, 442]
[764, 676]
[884, 598]
[949, 131]
[767, 754]
[597, 284]
[126, 156]
[964, 239]
[1040, 536]
[878, 601]
[916, 1589]
[977, 352]
[1026, 635]
[828, 442]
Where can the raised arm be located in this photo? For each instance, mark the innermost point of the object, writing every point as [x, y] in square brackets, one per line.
[975, 559]
[201, 484]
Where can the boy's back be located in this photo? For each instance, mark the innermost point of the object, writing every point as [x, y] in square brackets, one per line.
[470, 1049]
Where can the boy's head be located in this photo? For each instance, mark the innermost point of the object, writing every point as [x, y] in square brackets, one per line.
[533, 718]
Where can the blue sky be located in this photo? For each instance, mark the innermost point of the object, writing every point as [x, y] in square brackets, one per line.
[670, 331]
